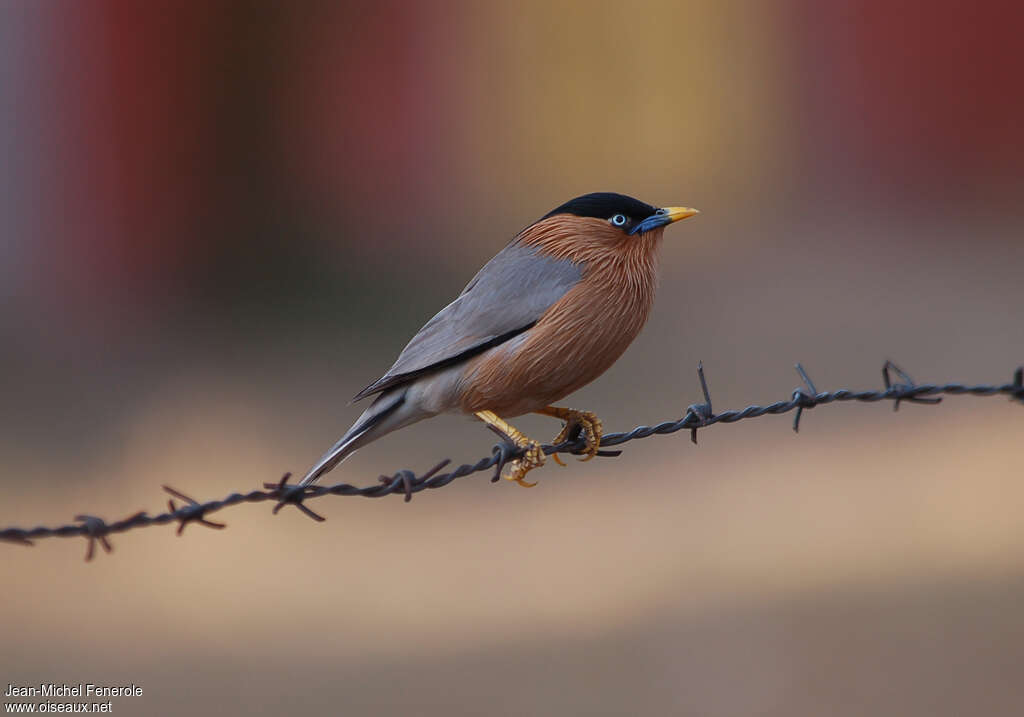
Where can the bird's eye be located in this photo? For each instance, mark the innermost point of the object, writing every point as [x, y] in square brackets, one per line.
[619, 220]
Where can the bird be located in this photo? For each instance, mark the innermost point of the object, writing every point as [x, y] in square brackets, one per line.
[547, 315]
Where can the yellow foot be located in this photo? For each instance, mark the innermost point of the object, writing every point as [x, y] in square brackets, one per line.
[592, 427]
[533, 457]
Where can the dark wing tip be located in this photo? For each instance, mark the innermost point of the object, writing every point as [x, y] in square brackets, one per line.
[375, 387]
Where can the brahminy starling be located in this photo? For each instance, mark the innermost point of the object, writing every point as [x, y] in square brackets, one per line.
[547, 315]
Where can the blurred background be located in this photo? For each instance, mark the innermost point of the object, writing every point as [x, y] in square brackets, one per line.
[219, 220]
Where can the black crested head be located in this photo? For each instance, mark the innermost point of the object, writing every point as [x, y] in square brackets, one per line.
[603, 205]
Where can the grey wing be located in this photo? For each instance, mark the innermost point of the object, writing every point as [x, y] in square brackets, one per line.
[506, 297]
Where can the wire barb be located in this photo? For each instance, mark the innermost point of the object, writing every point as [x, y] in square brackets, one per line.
[702, 412]
[292, 494]
[502, 453]
[406, 482]
[194, 511]
[902, 391]
[802, 398]
[95, 530]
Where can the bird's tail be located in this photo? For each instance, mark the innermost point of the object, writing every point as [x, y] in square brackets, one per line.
[389, 412]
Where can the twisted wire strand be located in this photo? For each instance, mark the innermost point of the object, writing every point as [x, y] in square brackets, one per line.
[406, 482]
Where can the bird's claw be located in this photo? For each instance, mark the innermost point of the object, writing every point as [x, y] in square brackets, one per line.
[593, 430]
[533, 455]
[532, 458]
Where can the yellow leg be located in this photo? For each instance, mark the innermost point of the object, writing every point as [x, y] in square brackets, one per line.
[532, 458]
[593, 429]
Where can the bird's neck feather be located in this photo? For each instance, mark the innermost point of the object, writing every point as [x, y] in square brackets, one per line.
[625, 266]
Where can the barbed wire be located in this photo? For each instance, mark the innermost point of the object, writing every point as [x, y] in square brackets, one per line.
[406, 482]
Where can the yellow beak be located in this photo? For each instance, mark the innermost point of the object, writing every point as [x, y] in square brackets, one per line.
[674, 214]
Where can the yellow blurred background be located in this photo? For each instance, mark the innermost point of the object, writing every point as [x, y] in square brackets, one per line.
[222, 219]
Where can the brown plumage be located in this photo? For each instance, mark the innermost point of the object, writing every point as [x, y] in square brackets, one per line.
[547, 315]
[581, 335]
